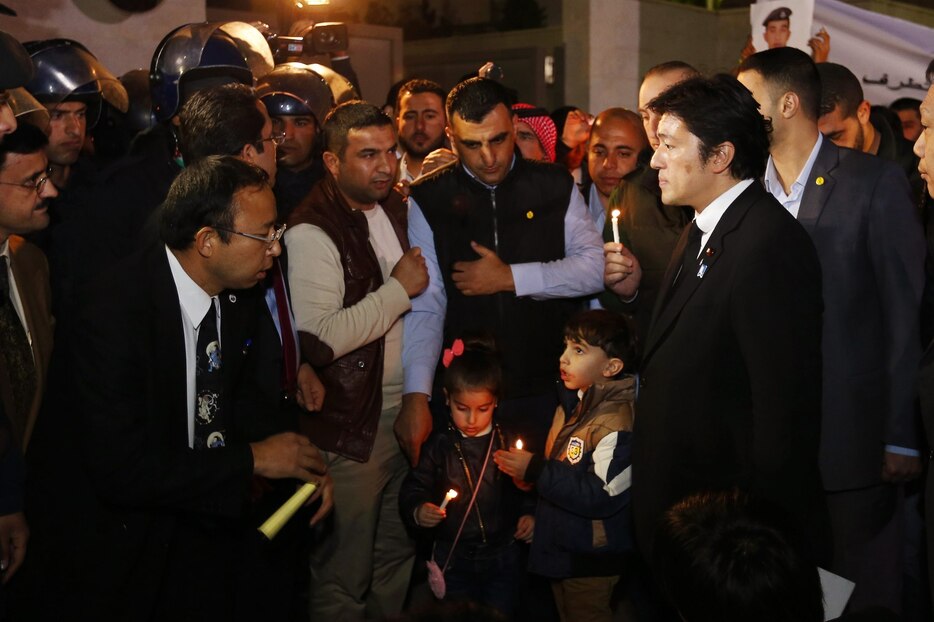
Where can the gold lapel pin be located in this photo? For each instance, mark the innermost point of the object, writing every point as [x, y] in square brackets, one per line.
[819, 181]
[530, 214]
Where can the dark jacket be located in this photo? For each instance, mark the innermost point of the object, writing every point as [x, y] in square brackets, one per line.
[522, 220]
[443, 464]
[353, 382]
[582, 522]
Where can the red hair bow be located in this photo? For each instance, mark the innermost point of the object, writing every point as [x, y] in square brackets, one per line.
[456, 349]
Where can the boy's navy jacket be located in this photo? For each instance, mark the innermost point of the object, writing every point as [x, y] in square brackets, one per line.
[499, 503]
[582, 521]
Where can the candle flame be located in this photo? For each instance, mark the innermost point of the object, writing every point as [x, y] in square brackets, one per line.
[615, 213]
[451, 494]
[519, 444]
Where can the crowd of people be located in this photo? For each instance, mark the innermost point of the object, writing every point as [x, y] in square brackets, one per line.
[538, 363]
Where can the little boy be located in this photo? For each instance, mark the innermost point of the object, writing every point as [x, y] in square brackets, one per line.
[582, 529]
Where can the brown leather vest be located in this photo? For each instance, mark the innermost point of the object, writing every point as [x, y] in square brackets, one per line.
[349, 418]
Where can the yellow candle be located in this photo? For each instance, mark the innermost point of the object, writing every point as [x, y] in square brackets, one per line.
[280, 517]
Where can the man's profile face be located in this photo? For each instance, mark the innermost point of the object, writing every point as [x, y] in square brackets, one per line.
[842, 131]
[776, 33]
[528, 143]
[68, 126]
[367, 170]
[485, 148]
[421, 123]
[652, 87]
[614, 150]
[266, 159]
[7, 118]
[296, 149]
[243, 262]
[682, 175]
[911, 124]
[22, 209]
[924, 146]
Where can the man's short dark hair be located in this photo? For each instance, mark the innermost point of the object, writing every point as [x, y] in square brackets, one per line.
[906, 103]
[607, 330]
[203, 196]
[352, 115]
[25, 140]
[416, 86]
[220, 120]
[839, 87]
[789, 69]
[473, 99]
[671, 66]
[721, 557]
[719, 110]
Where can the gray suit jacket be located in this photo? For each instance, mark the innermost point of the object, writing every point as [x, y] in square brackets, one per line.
[859, 213]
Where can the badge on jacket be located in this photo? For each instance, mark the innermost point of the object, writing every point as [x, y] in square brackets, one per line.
[575, 450]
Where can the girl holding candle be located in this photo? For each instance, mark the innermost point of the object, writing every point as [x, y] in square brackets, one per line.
[482, 563]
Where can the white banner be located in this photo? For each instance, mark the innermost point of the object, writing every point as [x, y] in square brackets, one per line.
[888, 55]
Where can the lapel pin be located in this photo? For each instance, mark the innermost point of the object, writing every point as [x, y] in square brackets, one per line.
[530, 214]
[819, 181]
[709, 252]
[232, 298]
[702, 270]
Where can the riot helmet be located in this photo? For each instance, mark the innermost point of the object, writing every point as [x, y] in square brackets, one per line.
[197, 56]
[67, 71]
[295, 89]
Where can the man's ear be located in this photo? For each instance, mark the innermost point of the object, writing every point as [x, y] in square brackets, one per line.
[789, 105]
[613, 367]
[862, 112]
[248, 153]
[207, 241]
[331, 162]
[722, 157]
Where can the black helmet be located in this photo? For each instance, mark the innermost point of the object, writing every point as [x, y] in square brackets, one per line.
[196, 56]
[66, 70]
[295, 89]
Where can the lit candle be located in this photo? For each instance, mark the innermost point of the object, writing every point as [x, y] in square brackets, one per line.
[450, 495]
[519, 443]
[615, 219]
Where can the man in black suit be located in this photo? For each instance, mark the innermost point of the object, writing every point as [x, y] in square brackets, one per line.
[153, 519]
[859, 213]
[730, 393]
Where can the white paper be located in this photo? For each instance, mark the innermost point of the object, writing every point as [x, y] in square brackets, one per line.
[837, 591]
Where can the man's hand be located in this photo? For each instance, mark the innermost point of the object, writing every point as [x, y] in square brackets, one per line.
[429, 515]
[436, 159]
[325, 492]
[820, 46]
[748, 50]
[310, 392]
[525, 528]
[576, 128]
[413, 425]
[411, 272]
[513, 462]
[288, 455]
[14, 534]
[897, 468]
[484, 276]
[621, 270]
[403, 187]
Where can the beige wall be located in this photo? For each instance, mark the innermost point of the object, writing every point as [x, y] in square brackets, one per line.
[121, 40]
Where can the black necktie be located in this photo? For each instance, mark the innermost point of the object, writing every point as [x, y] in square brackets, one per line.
[210, 424]
[16, 353]
[689, 258]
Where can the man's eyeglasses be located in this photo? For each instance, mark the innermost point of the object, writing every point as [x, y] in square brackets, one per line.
[277, 139]
[37, 185]
[271, 239]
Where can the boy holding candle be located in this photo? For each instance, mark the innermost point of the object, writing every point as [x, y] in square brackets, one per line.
[480, 560]
[582, 526]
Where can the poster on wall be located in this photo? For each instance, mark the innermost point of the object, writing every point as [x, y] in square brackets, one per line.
[780, 23]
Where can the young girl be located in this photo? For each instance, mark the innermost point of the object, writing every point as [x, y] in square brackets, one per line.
[484, 563]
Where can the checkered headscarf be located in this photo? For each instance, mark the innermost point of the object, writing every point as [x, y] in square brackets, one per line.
[541, 124]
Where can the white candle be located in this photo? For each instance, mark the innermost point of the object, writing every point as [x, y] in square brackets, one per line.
[615, 219]
[519, 444]
[450, 495]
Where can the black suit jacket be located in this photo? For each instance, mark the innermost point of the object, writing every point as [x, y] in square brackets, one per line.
[139, 508]
[730, 392]
[859, 213]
